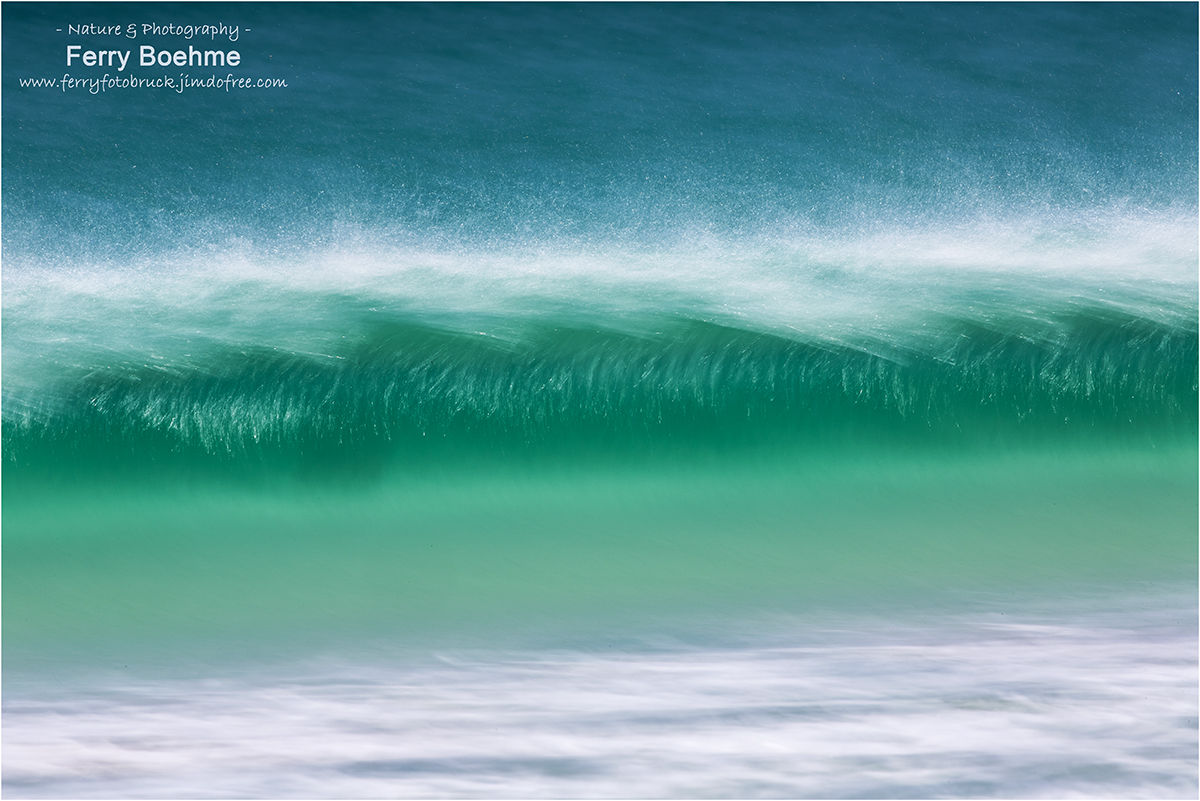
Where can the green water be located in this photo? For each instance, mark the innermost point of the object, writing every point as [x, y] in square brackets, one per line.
[484, 549]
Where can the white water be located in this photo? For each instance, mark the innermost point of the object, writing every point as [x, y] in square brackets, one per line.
[1069, 704]
[885, 289]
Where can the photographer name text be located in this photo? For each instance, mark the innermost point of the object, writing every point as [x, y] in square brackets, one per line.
[149, 55]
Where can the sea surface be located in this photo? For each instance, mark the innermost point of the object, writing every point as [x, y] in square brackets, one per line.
[600, 400]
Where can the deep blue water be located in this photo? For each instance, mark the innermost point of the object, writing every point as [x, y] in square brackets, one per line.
[600, 122]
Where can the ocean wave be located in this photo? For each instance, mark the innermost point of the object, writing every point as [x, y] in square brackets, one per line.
[408, 388]
[994, 332]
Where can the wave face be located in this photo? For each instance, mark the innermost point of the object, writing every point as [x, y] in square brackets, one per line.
[666, 227]
[739, 241]
[785, 247]
[280, 371]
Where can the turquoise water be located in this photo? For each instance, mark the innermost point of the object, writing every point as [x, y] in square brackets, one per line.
[526, 338]
[477, 548]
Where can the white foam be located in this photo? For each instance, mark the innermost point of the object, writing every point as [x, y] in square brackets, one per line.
[1039, 706]
[880, 285]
